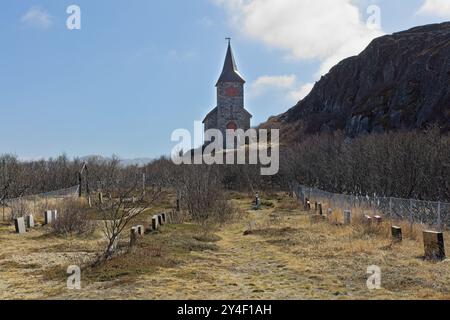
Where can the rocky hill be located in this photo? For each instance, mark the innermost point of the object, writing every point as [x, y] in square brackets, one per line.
[400, 81]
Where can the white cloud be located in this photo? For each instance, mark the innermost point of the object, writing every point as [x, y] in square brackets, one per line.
[439, 8]
[326, 30]
[287, 85]
[37, 17]
[302, 92]
[264, 83]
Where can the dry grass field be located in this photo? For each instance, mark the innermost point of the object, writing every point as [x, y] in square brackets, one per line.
[277, 252]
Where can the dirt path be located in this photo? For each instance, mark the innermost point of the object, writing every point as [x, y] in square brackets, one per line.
[243, 267]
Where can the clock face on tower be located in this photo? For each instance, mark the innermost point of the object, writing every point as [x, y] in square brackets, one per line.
[231, 92]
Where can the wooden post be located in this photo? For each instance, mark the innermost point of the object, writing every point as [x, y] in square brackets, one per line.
[30, 221]
[48, 217]
[439, 221]
[143, 183]
[320, 209]
[434, 245]
[140, 230]
[378, 220]
[133, 236]
[79, 185]
[160, 220]
[374, 206]
[347, 217]
[19, 224]
[390, 207]
[155, 222]
[411, 217]
[367, 220]
[396, 233]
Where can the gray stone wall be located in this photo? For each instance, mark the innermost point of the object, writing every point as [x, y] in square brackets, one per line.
[225, 101]
[229, 109]
[236, 114]
[211, 121]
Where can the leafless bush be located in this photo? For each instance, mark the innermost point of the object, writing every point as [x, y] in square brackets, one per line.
[413, 164]
[72, 219]
[130, 198]
[203, 196]
[177, 217]
[20, 208]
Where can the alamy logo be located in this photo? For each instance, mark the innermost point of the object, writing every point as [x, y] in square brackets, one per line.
[253, 147]
[73, 22]
[74, 278]
[374, 19]
[374, 280]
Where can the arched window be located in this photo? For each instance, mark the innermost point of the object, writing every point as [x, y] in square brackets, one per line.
[232, 126]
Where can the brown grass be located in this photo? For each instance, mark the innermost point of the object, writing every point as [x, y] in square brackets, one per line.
[284, 256]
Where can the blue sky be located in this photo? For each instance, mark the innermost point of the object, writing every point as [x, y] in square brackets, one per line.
[139, 69]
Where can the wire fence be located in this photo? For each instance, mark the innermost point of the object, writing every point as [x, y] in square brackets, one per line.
[37, 203]
[430, 213]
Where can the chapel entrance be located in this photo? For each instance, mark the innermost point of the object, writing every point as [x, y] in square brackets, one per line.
[232, 126]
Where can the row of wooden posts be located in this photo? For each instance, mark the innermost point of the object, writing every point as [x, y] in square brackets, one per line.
[433, 241]
[22, 224]
[139, 230]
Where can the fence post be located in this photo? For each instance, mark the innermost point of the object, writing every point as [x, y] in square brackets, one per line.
[411, 218]
[390, 206]
[439, 222]
[374, 204]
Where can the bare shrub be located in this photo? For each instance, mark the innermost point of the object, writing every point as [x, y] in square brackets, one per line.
[223, 211]
[414, 164]
[203, 195]
[129, 200]
[177, 217]
[20, 208]
[72, 219]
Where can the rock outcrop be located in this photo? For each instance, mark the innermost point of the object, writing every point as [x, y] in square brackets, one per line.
[400, 81]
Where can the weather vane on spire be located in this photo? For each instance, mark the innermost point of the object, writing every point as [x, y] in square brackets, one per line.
[228, 39]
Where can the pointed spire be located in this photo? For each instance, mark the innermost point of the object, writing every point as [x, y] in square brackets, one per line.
[230, 72]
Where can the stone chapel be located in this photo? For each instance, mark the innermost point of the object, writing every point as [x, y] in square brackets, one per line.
[229, 112]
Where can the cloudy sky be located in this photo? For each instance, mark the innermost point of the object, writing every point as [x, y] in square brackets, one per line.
[137, 70]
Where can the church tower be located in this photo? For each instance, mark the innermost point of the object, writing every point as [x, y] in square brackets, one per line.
[229, 112]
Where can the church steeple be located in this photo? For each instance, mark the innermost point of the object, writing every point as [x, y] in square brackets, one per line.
[230, 72]
[230, 113]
